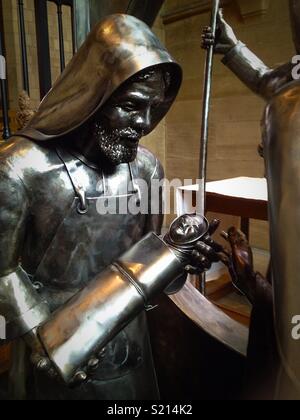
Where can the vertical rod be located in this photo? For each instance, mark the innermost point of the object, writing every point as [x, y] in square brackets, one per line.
[4, 96]
[23, 46]
[73, 23]
[201, 199]
[61, 36]
[43, 48]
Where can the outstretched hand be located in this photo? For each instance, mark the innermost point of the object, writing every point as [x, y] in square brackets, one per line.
[207, 251]
[225, 38]
[240, 264]
[190, 237]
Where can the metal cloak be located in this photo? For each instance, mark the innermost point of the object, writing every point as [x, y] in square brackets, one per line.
[119, 47]
[64, 248]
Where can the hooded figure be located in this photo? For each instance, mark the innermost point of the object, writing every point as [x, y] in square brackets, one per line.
[118, 48]
[77, 156]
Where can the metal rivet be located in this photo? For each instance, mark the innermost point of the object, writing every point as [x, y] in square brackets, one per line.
[80, 376]
[38, 286]
[102, 353]
[43, 364]
[93, 363]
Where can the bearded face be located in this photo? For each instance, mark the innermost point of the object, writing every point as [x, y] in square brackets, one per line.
[117, 145]
[128, 116]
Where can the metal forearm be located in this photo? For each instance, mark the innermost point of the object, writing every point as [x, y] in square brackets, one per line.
[247, 67]
[20, 304]
[79, 330]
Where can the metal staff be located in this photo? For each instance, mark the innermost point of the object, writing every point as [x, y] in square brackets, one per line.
[205, 122]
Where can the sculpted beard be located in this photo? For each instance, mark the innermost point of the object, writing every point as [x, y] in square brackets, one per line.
[117, 145]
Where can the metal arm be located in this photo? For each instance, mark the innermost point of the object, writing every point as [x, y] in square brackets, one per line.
[81, 328]
[256, 75]
[20, 304]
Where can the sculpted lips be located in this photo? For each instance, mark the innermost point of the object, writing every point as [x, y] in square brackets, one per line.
[129, 137]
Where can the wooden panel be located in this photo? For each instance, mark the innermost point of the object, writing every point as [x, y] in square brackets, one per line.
[237, 206]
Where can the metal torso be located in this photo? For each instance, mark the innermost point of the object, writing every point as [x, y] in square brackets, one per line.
[82, 244]
[282, 151]
[65, 248]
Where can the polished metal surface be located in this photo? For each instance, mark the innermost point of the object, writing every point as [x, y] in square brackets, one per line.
[81, 151]
[208, 72]
[281, 152]
[187, 233]
[282, 158]
[51, 191]
[20, 304]
[255, 74]
[211, 319]
[80, 329]
[188, 229]
[250, 69]
[118, 48]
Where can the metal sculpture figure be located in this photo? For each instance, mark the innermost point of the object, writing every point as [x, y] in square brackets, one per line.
[74, 283]
[280, 144]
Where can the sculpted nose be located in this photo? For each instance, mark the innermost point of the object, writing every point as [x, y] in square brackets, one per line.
[143, 121]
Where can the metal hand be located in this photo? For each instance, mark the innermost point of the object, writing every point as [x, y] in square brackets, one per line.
[225, 38]
[241, 263]
[190, 238]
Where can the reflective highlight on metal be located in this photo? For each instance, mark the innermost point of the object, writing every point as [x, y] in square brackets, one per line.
[188, 229]
[211, 319]
[261, 79]
[282, 152]
[49, 221]
[20, 304]
[49, 191]
[79, 330]
[119, 47]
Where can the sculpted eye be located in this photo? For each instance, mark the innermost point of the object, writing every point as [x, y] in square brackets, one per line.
[128, 106]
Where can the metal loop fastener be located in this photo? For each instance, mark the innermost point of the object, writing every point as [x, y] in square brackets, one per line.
[81, 209]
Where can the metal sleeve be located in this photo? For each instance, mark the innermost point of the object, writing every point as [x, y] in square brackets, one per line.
[82, 327]
[246, 66]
